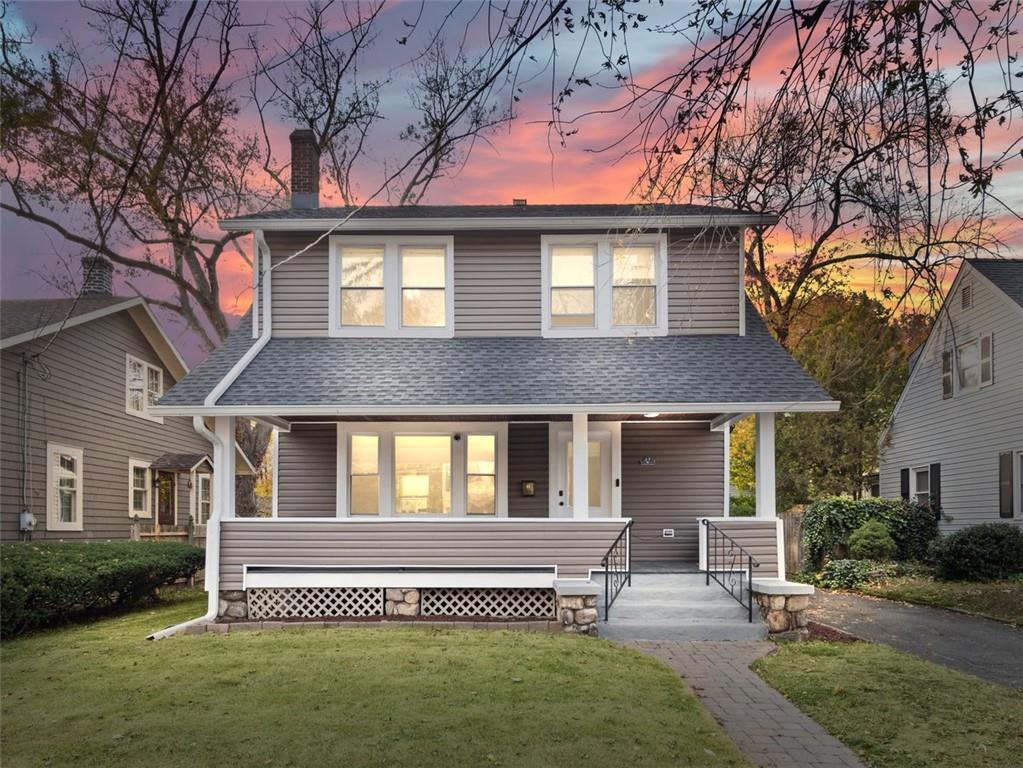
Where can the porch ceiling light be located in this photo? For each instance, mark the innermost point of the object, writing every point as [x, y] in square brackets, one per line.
[651, 415]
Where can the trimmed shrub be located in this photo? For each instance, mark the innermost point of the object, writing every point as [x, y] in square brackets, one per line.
[744, 505]
[828, 524]
[849, 574]
[871, 541]
[49, 583]
[979, 553]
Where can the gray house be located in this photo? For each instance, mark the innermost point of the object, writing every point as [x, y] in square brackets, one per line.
[955, 437]
[84, 456]
[434, 373]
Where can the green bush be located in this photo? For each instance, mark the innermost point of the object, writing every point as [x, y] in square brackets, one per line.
[871, 541]
[42, 584]
[849, 574]
[828, 524]
[979, 553]
[743, 505]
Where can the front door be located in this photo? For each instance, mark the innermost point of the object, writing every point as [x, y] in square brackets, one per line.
[599, 453]
[165, 492]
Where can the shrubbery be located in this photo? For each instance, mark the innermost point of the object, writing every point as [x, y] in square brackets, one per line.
[50, 583]
[743, 505]
[979, 553]
[849, 574]
[828, 524]
[871, 541]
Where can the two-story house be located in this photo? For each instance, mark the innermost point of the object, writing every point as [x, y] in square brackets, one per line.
[84, 455]
[955, 437]
[483, 406]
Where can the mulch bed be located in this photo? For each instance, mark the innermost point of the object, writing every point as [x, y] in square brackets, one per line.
[829, 634]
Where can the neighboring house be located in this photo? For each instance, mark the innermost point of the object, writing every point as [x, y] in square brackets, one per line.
[83, 454]
[432, 371]
[955, 437]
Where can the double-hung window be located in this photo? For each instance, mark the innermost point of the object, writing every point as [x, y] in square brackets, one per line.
[64, 477]
[604, 286]
[364, 490]
[204, 498]
[139, 489]
[974, 364]
[143, 387]
[391, 286]
[920, 485]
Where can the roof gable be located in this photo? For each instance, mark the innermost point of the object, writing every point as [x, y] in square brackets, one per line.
[1005, 274]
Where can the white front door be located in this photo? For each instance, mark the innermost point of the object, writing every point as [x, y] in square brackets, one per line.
[599, 450]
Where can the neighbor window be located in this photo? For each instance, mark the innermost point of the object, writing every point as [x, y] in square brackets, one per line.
[422, 474]
[63, 488]
[921, 485]
[139, 489]
[143, 387]
[609, 286]
[481, 475]
[204, 496]
[392, 286]
[974, 364]
[364, 491]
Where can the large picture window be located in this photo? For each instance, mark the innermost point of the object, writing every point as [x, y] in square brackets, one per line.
[607, 286]
[64, 475]
[422, 474]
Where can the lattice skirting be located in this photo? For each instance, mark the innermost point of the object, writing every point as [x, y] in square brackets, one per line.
[489, 603]
[315, 602]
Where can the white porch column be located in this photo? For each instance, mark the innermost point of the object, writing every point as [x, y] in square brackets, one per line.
[727, 440]
[765, 465]
[223, 467]
[580, 465]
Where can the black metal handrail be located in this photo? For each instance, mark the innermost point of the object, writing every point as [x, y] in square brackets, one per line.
[719, 548]
[617, 565]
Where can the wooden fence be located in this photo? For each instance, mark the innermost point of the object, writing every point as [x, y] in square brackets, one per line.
[793, 526]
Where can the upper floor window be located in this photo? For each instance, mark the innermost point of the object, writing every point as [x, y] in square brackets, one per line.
[974, 364]
[391, 286]
[605, 286]
[143, 387]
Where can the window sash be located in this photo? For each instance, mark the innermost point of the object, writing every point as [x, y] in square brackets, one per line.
[205, 499]
[143, 387]
[921, 492]
[481, 477]
[64, 477]
[139, 488]
[361, 476]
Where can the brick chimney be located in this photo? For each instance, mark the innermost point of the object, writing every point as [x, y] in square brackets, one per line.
[305, 169]
[97, 276]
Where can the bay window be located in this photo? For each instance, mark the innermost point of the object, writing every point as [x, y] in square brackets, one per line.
[604, 285]
[434, 469]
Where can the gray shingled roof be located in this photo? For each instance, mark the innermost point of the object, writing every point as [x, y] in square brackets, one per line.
[18, 316]
[192, 389]
[490, 211]
[512, 371]
[171, 461]
[1007, 274]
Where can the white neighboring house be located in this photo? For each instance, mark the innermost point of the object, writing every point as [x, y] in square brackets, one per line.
[956, 433]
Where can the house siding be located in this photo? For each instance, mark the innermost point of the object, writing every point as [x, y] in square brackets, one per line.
[574, 547]
[758, 537]
[528, 460]
[684, 484]
[498, 283]
[307, 471]
[966, 433]
[82, 405]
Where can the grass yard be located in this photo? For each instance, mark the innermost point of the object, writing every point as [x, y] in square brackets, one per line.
[101, 694]
[898, 711]
[1002, 600]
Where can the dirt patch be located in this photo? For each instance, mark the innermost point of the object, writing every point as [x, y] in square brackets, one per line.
[829, 634]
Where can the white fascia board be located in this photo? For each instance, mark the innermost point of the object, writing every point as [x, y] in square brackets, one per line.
[500, 223]
[254, 411]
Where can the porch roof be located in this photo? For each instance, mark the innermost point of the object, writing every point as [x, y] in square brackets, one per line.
[391, 373]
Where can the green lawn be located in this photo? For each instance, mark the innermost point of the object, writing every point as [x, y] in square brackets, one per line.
[100, 694]
[898, 711]
[1002, 600]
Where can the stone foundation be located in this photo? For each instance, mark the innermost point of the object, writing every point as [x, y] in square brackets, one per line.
[233, 605]
[401, 602]
[783, 606]
[578, 613]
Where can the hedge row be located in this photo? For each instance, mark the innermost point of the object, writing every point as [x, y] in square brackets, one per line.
[56, 582]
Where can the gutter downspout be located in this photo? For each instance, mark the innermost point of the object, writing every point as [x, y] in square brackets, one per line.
[212, 580]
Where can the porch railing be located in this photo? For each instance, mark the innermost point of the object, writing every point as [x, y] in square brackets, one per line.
[727, 561]
[617, 565]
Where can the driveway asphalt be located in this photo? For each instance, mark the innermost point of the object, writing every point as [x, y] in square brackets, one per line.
[988, 649]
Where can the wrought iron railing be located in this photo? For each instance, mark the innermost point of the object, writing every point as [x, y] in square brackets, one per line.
[617, 565]
[730, 565]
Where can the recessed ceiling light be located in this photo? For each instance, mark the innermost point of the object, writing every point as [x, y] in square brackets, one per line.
[652, 415]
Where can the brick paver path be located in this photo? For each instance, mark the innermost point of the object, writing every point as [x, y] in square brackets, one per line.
[767, 727]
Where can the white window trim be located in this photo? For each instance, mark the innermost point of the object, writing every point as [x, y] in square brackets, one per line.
[146, 366]
[197, 496]
[52, 521]
[912, 481]
[386, 432]
[602, 283]
[392, 326]
[134, 464]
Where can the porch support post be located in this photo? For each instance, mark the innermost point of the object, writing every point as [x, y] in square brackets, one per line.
[580, 465]
[726, 435]
[223, 466]
[765, 466]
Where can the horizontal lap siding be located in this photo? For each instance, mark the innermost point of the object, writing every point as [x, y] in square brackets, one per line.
[307, 471]
[299, 290]
[703, 282]
[685, 483]
[574, 547]
[82, 405]
[527, 460]
[497, 284]
[759, 538]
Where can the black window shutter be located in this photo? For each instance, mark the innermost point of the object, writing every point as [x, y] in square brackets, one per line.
[904, 483]
[1005, 485]
[935, 487]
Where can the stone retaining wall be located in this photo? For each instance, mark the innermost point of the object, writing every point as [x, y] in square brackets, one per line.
[578, 613]
[784, 614]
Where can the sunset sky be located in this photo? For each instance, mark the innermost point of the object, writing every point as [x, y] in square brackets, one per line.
[523, 160]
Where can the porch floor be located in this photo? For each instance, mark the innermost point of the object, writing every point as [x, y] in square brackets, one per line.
[665, 566]
[673, 606]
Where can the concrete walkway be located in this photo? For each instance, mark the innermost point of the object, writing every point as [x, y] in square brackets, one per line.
[768, 728]
[988, 649]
